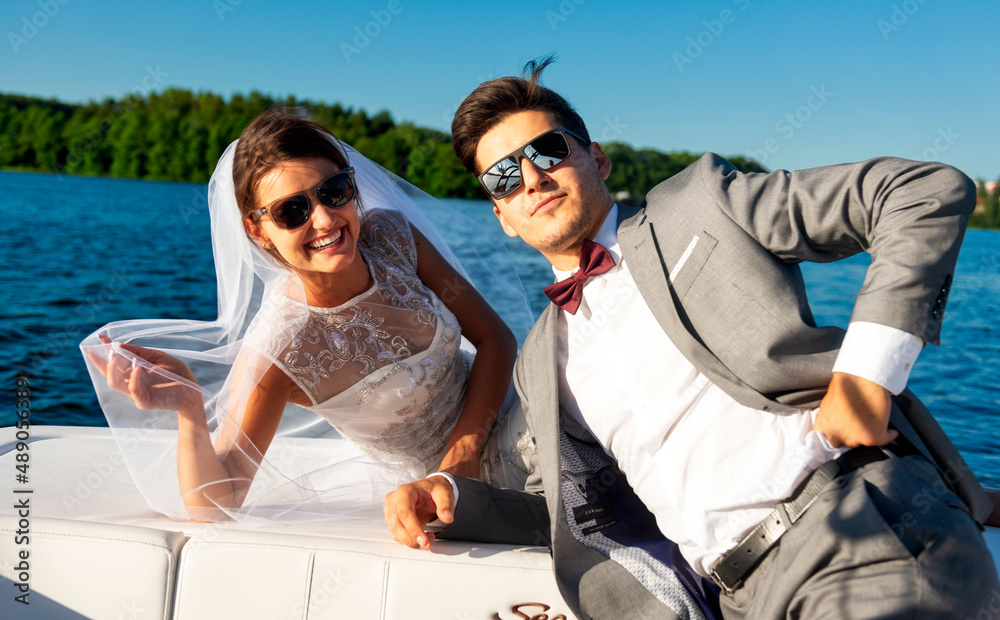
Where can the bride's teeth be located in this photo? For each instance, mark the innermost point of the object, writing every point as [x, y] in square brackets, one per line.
[319, 245]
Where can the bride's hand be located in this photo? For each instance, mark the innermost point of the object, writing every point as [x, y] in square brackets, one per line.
[150, 388]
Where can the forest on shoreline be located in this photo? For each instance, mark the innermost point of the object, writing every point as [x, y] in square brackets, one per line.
[178, 135]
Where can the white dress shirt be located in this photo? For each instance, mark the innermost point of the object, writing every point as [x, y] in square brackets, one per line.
[707, 467]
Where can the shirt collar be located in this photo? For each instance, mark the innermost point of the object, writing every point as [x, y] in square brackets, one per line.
[607, 235]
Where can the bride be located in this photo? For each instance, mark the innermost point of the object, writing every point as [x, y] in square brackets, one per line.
[335, 295]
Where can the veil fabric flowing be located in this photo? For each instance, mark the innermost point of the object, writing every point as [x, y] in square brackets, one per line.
[308, 472]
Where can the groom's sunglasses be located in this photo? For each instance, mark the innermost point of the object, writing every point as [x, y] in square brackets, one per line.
[545, 151]
[293, 211]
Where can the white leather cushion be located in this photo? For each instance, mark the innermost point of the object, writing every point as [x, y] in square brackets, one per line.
[256, 574]
[77, 473]
[92, 570]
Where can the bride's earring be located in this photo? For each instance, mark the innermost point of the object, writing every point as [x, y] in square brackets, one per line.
[254, 231]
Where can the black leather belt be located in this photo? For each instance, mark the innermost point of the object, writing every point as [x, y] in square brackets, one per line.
[735, 566]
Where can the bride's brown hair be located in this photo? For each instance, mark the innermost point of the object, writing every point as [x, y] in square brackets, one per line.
[273, 138]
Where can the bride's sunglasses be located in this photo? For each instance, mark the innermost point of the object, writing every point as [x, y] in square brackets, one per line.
[293, 211]
[545, 151]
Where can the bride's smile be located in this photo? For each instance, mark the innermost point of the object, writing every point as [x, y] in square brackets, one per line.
[323, 249]
[326, 243]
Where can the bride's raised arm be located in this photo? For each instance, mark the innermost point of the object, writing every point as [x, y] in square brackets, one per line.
[210, 476]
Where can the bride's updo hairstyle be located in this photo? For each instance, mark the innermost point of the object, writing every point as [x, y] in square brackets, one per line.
[273, 138]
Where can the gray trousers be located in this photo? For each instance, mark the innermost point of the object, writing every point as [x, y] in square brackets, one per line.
[888, 540]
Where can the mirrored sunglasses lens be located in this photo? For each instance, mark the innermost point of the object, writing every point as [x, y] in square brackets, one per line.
[547, 151]
[503, 178]
[292, 212]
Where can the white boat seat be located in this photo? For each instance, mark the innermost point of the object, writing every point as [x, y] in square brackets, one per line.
[98, 551]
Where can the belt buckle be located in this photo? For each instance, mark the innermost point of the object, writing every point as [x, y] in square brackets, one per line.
[772, 528]
[719, 581]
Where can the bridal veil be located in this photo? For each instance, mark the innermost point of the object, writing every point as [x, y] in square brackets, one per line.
[306, 473]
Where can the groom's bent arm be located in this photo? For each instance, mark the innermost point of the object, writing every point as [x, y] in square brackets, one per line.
[910, 216]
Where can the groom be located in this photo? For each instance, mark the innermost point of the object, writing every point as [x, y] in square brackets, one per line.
[697, 434]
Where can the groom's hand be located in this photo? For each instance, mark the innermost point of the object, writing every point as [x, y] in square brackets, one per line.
[855, 412]
[412, 506]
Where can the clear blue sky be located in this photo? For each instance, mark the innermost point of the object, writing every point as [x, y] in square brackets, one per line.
[859, 78]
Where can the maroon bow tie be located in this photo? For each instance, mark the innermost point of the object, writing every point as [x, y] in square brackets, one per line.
[594, 260]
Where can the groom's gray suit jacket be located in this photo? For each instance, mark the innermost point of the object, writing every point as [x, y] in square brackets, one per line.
[737, 309]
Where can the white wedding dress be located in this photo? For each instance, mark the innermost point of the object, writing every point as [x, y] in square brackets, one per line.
[387, 369]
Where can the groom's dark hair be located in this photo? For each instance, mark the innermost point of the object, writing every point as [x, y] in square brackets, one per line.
[493, 101]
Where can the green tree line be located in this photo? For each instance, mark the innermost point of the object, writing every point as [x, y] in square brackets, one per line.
[178, 135]
[987, 213]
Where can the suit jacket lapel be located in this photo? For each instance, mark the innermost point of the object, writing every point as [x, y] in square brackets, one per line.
[639, 245]
[542, 384]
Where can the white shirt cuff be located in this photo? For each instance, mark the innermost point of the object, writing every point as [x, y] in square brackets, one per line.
[437, 524]
[878, 353]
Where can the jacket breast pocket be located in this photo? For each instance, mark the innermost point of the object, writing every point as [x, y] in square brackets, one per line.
[686, 268]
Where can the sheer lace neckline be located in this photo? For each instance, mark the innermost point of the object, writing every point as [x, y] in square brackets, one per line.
[353, 300]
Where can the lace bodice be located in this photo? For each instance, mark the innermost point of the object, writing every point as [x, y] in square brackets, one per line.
[386, 369]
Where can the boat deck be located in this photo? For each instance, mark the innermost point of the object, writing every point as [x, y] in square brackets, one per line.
[96, 550]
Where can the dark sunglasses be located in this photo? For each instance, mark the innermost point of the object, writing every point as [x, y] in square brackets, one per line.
[545, 151]
[293, 211]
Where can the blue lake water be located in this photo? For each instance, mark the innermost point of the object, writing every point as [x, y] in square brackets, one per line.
[81, 252]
